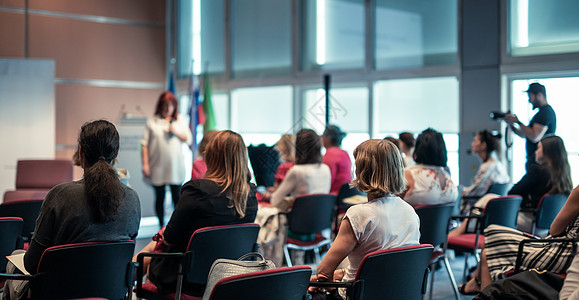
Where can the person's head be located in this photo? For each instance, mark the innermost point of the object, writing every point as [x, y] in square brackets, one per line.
[333, 136]
[207, 137]
[484, 143]
[379, 168]
[226, 160]
[287, 147]
[430, 149]
[98, 146]
[394, 141]
[308, 147]
[407, 142]
[167, 106]
[537, 94]
[552, 154]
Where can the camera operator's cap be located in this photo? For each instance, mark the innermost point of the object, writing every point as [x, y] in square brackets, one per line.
[535, 88]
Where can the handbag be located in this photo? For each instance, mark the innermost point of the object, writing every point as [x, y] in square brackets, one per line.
[223, 268]
[532, 284]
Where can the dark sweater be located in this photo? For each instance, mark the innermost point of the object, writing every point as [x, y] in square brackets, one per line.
[532, 186]
[66, 217]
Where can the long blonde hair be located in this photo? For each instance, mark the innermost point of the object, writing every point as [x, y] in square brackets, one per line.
[287, 147]
[226, 159]
[379, 168]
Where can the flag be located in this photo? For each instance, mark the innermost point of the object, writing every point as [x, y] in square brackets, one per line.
[193, 112]
[209, 117]
[171, 87]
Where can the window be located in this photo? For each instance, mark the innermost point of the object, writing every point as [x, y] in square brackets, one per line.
[262, 115]
[417, 33]
[333, 34]
[543, 27]
[558, 96]
[416, 104]
[260, 37]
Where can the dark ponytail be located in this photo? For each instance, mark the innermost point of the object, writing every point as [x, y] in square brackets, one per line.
[99, 145]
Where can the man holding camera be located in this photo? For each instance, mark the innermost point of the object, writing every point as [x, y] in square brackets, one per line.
[543, 122]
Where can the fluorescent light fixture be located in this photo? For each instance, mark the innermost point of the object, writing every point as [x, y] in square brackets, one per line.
[196, 37]
[321, 32]
[522, 24]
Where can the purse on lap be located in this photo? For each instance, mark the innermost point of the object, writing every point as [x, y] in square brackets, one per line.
[223, 268]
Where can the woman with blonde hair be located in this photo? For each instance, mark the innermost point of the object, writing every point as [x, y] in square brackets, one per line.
[286, 146]
[386, 221]
[223, 196]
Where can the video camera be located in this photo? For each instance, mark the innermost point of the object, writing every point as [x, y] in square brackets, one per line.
[497, 115]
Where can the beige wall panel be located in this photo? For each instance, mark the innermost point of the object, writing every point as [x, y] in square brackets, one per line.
[86, 50]
[11, 34]
[77, 104]
[137, 10]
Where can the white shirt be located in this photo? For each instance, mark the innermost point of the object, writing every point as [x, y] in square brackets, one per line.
[490, 172]
[166, 160]
[303, 179]
[432, 185]
[383, 223]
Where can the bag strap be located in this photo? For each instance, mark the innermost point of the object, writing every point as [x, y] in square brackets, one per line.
[253, 254]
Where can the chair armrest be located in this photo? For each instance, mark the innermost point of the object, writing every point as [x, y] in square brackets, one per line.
[16, 276]
[331, 284]
[537, 240]
[467, 217]
[140, 264]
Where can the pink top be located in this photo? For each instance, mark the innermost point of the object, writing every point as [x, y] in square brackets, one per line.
[199, 169]
[340, 166]
[282, 170]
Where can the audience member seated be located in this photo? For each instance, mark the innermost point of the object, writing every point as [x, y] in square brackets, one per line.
[491, 171]
[501, 244]
[286, 146]
[552, 174]
[570, 289]
[199, 166]
[428, 181]
[307, 176]
[337, 159]
[406, 146]
[96, 208]
[386, 221]
[223, 196]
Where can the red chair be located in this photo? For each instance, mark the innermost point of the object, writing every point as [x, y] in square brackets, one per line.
[205, 246]
[84, 270]
[501, 210]
[397, 273]
[34, 178]
[547, 209]
[310, 214]
[434, 221]
[281, 284]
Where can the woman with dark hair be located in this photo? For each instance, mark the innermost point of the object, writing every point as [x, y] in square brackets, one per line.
[406, 145]
[337, 159]
[486, 145]
[97, 207]
[162, 154]
[223, 196]
[428, 181]
[308, 176]
[501, 243]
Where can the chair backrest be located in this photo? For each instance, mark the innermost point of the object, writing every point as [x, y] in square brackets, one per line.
[502, 211]
[264, 162]
[280, 284]
[27, 209]
[458, 202]
[434, 222]
[42, 174]
[24, 195]
[210, 243]
[11, 231]
[397, 273]
[347, 191]
[548, 208]
[312, 213]
[96, 269]
[500, 189]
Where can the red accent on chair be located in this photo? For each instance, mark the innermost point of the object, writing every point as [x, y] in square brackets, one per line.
[42, 174]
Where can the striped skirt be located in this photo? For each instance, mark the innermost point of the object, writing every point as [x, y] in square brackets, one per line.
[502, 244]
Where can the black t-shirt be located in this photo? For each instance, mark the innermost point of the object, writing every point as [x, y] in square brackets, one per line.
[202, 204]
[532, 186]
[546, 117]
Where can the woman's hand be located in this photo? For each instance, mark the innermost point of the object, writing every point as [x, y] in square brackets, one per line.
[146, 170]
